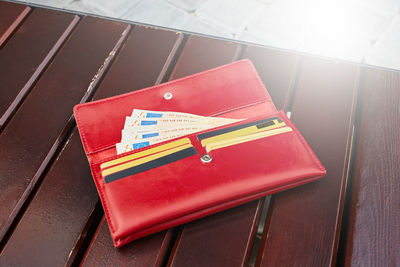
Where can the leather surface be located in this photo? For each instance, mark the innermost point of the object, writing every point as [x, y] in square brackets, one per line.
[179, 192]
[206, 93]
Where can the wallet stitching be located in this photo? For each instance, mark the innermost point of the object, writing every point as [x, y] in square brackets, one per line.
[245, 61]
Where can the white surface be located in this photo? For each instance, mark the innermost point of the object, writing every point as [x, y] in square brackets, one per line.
[189, 5]
[278, 24]
[342, 30]
[355, 30]
[195, 24]
[382, 7]
[386, 52]
[79, 6]
[233, 15]
[157, 12]
[110, 8]
[55, 3]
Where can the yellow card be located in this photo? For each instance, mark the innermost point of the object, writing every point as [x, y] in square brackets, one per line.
[146, 152]
[241, 132]
[247, 138]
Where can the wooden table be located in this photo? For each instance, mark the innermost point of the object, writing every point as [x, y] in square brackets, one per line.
[50, 214]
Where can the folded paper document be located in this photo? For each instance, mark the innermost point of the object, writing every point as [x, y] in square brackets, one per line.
[178, 151]
[144, 127]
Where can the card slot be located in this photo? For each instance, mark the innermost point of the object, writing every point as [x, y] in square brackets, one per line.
[241, 130]
[255, 111]
[151, 164]
[143, 160]
[113, 161]
[217, 139]
[235, 127]
[145, 152]
[246, 138]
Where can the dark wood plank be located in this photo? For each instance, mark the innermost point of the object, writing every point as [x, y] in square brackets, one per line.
[374, 230]
[303, 222]
[218, 240]
[148, 251]
[142, 62]
[55, 218]
[11, 15]
[204, 53]
[30, 140]
[27, 53]
[230, 243]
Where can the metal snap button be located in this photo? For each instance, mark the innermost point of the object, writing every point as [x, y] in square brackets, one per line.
[206, 158]
[167, 95]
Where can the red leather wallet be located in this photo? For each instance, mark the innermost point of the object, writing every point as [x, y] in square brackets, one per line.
[163, 185]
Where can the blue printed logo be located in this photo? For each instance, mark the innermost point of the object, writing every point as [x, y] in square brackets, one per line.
[149, 135]
[148, 123]
[154, 115]
[140, 145]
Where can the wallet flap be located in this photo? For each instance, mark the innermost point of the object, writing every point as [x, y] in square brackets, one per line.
[207, 93]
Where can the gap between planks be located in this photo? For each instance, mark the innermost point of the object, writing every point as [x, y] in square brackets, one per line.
[351, 188]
